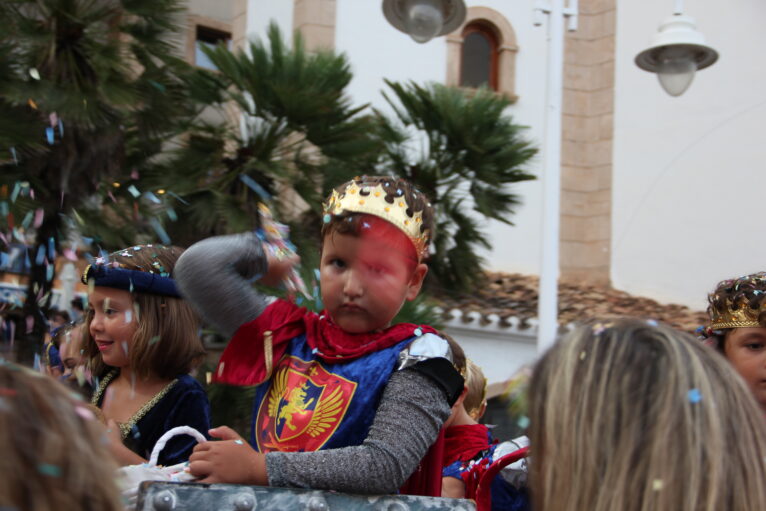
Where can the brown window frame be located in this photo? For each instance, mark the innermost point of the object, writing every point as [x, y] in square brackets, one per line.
[494, 53]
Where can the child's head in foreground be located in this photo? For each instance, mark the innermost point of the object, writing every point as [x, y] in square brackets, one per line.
[54, 452]
[631, 416]
[737, 328]
[375, 236]
[136, 318]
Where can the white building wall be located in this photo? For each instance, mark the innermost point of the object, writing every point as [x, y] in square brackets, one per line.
[261, 12]
[688, 171]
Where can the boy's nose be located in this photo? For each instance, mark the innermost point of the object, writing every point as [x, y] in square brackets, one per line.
[353, 286]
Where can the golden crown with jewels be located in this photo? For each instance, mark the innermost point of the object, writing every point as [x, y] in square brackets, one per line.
[372, 200]
[736, 315]
[738, 303]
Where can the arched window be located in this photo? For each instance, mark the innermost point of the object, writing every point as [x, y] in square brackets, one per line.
[479, 56]
[483, 52]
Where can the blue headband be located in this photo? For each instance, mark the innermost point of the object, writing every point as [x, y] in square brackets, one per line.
[130, 280]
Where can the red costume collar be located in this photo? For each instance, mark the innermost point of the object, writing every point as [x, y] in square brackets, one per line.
[243, 362]
[464, 442]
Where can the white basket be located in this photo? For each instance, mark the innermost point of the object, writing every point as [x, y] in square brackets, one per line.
[129, 477]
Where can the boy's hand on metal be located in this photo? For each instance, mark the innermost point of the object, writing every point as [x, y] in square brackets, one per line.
[230, 459]
[278, 269]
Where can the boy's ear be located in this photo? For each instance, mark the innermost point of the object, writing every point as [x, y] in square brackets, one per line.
[416, 281]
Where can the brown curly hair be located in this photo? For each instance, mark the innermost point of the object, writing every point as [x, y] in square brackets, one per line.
[746, 291]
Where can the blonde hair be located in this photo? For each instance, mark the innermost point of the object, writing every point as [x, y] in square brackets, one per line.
[631, 416]
[476, 397]
[166, 342]
[54, 453]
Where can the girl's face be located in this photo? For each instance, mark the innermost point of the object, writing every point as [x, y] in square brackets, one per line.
[746, 350]
[113, 324]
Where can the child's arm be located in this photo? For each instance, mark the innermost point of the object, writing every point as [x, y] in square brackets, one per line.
[411, 412]
[215, 275]
[453, 488]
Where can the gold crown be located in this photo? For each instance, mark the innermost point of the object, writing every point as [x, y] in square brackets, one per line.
[739, 315]
[372, 201]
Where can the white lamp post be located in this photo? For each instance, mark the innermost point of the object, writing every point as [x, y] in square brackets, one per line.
[547, 307]
[424, 19]
[678, 50]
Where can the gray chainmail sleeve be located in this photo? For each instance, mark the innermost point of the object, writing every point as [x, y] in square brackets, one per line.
[215, 276]
[411, 412]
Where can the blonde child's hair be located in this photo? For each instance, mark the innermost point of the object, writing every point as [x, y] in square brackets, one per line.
[476, 397]
[166, 343]
[630, 416]
[54, 453]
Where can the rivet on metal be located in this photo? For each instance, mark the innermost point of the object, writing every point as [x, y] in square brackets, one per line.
[164, 501]
[244, 503]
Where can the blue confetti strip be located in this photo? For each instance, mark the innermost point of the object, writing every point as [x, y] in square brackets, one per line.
[152, 197]
[51, 249]
[49, 470]
[40, 255]
[15, 158]
[160, 231]
[178, 197]
[49, 272]
[3, 208]
[694, 396]
[49, 135]
[61, 128]
[172, 214]
[255, 187]
[134, 191]
[27, 220]
[15, 192]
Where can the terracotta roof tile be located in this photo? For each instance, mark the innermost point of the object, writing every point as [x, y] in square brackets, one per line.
[509, 295]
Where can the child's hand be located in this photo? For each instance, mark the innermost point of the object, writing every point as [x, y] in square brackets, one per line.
[278, 269]
[228, 460]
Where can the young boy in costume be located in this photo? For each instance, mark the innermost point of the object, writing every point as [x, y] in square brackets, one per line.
[737, 329]
[470, 449]
[345, 400]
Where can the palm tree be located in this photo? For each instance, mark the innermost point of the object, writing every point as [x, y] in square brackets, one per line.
[462, 149]
[93, 90]
[299, 135]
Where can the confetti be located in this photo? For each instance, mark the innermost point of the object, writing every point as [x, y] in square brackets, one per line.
[160, 231]
[84, 413]
[134, 191]
[418, 332]
[239, 442]
[49, 470]
[39, 215]
[694, 396]
[657, 485]
[255, 186]
[523, 422]
[34, 73]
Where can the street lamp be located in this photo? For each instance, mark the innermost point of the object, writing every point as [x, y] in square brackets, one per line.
[424, 19]
[678, 50]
